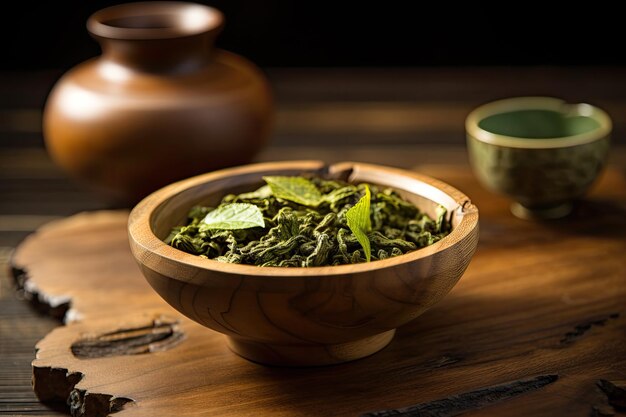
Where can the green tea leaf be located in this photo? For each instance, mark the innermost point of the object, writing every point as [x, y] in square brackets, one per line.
[295, 235]
[260, 194]
[233, 216]
[441, 218]
[296, 189]
[360, 223]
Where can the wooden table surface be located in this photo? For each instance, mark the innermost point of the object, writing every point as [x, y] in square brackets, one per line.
[405, 118]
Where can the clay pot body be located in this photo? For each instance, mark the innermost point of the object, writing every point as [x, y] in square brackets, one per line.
[160, 104]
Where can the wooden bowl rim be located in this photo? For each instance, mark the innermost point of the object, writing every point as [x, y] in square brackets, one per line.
[140, 231]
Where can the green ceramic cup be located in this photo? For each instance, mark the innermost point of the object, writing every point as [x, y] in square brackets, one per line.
[541, 152]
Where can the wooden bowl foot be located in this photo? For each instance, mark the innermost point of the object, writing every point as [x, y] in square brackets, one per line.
[309, 354]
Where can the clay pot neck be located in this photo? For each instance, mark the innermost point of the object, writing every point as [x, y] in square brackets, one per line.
[157, 36]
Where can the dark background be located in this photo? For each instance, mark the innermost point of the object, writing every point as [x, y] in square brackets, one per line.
[52, 34]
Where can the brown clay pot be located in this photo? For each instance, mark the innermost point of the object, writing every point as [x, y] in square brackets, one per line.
[160, 103]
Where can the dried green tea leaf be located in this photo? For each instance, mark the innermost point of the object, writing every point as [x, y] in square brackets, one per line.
[296, 235]
[441, 218]
[261, 193]
[360, 223]
[232, 217]
[296, 189]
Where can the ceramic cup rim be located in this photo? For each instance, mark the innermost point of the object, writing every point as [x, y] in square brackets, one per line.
[187, 19]
[537, 103]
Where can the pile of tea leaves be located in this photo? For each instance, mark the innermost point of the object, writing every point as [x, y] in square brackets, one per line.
[304, 222]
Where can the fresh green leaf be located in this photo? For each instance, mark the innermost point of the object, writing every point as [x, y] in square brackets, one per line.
[296, 189]
[233, 216]
[359, 222]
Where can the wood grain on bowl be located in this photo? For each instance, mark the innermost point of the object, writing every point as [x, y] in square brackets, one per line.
[302, 316]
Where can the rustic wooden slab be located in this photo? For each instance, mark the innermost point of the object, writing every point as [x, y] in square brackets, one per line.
[537, 326]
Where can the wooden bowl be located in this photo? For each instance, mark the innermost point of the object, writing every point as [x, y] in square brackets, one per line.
[302, 316]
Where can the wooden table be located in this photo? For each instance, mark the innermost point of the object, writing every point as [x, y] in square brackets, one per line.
[410, 120]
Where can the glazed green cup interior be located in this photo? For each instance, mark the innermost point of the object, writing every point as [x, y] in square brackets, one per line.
[540, 151]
